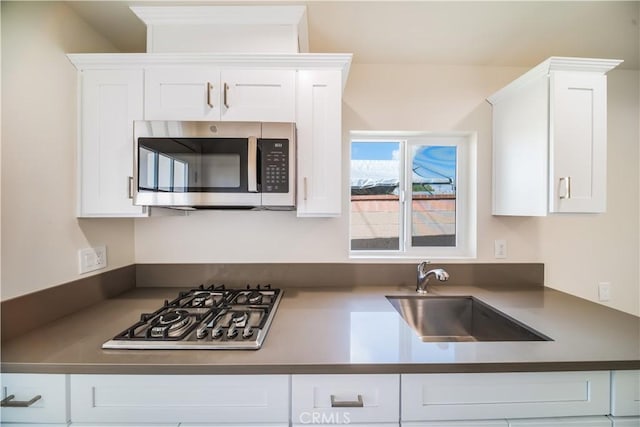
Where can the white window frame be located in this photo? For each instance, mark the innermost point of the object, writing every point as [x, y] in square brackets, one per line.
[466, 191]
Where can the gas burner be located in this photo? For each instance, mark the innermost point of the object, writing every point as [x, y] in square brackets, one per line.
[171, 324]
[205, 318]
[254, 297]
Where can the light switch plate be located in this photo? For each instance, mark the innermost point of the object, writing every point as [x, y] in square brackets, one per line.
[91, 259]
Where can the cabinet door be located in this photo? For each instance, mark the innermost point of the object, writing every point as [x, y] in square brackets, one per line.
[318, 122]
[207, 399]
[49, 408]
[345, 399]
[578, 142]
[111, 100]
[258, 95]
[625, 421]
[625, 393]
[504, 395]
[558, 422]
[467, 423]
[182, 94]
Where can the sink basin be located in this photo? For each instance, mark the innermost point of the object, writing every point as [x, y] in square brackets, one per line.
[454, 319]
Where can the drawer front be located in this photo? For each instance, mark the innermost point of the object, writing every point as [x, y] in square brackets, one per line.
[52, 407]
[504, 395]
[625, 393]
[626, 421]
[468, 423]
[311, 401]
[561, 422]
[179, 398]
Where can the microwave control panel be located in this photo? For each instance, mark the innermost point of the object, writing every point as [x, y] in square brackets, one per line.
[275, 165]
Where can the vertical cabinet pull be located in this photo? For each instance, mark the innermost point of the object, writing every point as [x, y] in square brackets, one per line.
[567, 187]
[225, 99]
[130, 186]
[347, 403]
[304, 188]
[8, 402]
[209, 90]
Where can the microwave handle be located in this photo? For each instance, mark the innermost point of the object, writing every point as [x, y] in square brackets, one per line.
[252, 165]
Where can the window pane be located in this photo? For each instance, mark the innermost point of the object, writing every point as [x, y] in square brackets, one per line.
[375, 206]
[179, 175]
[147, 169]
[433, 195]
[164, 173]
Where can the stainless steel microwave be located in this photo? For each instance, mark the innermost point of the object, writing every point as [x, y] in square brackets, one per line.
[214, 164]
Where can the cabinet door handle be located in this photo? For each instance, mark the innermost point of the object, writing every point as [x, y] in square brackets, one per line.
[209, 89]
[567, 187]
[130, 186]
[225, 98]
[304, 188]
[8, 402]
[347, 403]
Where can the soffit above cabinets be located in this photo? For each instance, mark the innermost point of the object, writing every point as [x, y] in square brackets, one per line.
[519, 34]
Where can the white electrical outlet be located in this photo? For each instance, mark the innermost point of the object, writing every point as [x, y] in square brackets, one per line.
[604, 291]
[500, 249]
[91, 259]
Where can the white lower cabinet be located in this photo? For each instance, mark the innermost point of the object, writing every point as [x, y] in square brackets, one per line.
[51, 408]
[527, 399]
[625, 421]
[625, 393]
[215, 400]
[560, 422]
[478, 396]
[464, 423]
[345, 399]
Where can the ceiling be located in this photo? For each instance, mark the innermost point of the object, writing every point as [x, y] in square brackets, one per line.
[503, 33]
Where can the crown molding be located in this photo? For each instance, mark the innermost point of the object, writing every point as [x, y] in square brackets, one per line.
[555, 63]
[298, 61]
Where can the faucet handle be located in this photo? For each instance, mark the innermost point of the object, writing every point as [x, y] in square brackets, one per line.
[422, 266]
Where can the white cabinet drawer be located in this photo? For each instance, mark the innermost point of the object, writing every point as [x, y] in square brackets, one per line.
[467, 423]
[626, 421]
[212, 399]
[504, 395]
[561, 422]
[312, 397]
[625, 393]
[51, 408]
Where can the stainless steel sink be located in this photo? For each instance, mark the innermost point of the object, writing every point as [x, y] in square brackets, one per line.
[452, 319]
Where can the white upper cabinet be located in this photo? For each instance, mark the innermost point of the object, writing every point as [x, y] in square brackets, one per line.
[110, 101]
[550, 139]
[179, 94]
[208, 93]
[319, 127]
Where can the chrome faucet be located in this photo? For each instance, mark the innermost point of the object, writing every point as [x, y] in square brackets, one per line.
[424, 276]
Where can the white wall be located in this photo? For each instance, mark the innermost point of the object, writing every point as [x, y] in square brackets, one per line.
[578, 250]
[40, 233]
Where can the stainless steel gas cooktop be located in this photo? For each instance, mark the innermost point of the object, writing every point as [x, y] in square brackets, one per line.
[205, 318]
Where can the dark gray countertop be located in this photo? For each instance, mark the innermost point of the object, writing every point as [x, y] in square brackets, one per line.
[341, 330]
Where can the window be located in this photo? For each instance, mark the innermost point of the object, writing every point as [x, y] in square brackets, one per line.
[412, 194]
[160, 172]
